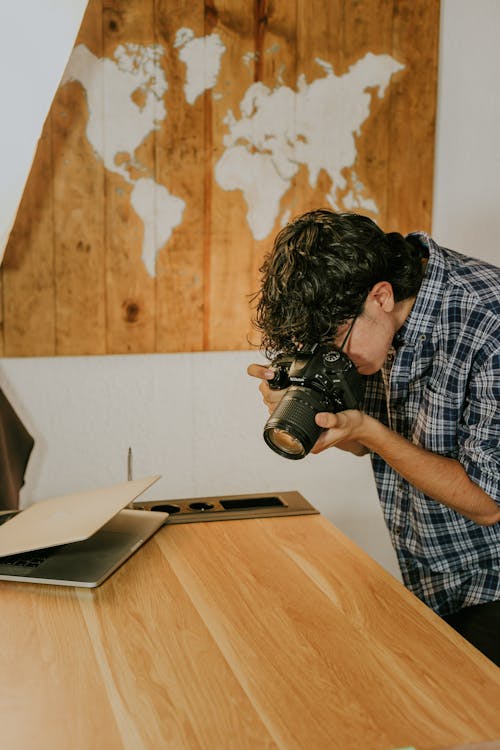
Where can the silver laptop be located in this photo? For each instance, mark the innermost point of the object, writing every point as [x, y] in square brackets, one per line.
[77, 539]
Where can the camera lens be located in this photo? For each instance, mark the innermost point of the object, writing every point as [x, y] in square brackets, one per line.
[291, 430]
[286, 442]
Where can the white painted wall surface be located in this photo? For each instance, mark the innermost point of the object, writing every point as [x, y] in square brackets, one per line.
[467, 177]
[197, 418]
[36, 39]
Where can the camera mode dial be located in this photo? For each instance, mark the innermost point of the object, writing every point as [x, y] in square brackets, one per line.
[330, 358]
[334, 360]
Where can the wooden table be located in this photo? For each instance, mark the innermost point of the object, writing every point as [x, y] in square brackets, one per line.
[265, 633]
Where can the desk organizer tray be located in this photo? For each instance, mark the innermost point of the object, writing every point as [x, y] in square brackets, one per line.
[231, 507]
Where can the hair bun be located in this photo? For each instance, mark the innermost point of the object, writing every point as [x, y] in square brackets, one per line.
[404, 245]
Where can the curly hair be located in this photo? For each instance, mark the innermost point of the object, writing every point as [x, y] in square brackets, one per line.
[320, 271]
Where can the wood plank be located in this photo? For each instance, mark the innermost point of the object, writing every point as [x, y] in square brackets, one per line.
[131, 289]
[413, 116]
[162, 671]
[258, 633]
[229, 242]
[275, 65]
[324, 658]
[181, 168]
[368, 28]
[46, 672]
[78, 184]
[28, 266]
[317, 41]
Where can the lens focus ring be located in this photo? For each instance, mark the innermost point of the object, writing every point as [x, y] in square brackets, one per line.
[295, 415]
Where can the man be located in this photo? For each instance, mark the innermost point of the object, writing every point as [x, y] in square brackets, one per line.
[423, 325]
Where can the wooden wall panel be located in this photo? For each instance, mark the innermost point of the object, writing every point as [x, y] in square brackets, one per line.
[230, 242]
[131, 291]
[320, 28]
[74, 278]
[182, 164]
[373, 142]
[276, 61]
[28, 267]
[78, 215]
[413, 116]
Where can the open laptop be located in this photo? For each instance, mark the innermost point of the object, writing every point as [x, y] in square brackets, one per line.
[77, 539]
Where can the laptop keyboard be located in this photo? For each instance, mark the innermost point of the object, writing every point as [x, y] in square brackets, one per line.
[26, 560]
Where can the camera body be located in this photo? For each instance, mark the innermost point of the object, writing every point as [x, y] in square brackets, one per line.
[320, 379]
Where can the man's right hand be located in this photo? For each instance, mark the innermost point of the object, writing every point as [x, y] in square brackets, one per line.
[271, 398]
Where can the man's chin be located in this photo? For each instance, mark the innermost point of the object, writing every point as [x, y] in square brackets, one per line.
[367, 369]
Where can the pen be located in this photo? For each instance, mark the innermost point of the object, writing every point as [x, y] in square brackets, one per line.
[129, 473]
[129, 465]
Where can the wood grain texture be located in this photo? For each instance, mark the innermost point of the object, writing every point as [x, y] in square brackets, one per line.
[335, 632]
[28, 277]
[263, 633]
[230, 245]
[320, 27]
[268, 633]
[74, 280]
[131, 292]
[374, 165]
[78, 214]
[182, 164]
[412, 122]
[55, 670]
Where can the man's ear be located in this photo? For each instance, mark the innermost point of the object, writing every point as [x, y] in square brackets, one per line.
[382, 295]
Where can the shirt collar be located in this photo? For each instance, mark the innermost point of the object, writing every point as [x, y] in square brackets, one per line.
[421, 320]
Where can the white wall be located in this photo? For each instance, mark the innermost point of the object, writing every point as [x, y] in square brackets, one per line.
[32, 64]
[466, 194]
[197, 419]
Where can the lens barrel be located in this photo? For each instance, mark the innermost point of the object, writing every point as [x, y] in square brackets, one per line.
[291, 430]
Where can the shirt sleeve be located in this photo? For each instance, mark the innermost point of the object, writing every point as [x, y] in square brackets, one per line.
[479, 429]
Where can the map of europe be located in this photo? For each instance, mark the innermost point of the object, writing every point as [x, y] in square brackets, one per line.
[276, 131]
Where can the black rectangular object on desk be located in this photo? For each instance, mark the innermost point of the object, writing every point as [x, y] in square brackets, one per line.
[252, 502]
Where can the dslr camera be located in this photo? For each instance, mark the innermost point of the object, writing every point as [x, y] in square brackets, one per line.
[321, 379]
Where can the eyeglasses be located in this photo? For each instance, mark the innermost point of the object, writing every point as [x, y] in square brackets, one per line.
[348, 333]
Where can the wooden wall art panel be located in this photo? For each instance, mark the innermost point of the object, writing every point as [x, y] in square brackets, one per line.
[184, 134]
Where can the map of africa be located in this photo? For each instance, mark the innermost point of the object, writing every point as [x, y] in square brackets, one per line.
[276, 131]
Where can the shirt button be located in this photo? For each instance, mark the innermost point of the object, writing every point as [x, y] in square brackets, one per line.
[398, 530]
[423, 337]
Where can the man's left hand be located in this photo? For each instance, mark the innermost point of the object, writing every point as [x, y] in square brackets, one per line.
[342, 430]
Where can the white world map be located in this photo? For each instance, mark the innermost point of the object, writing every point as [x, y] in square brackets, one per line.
[276, 131]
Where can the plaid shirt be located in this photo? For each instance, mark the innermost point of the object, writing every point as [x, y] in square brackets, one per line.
[440, 388]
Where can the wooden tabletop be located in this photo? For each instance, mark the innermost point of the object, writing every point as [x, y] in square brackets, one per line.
[265, 633]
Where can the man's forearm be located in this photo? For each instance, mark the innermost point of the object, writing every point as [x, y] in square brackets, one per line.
[352, 446]
[443, 479]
